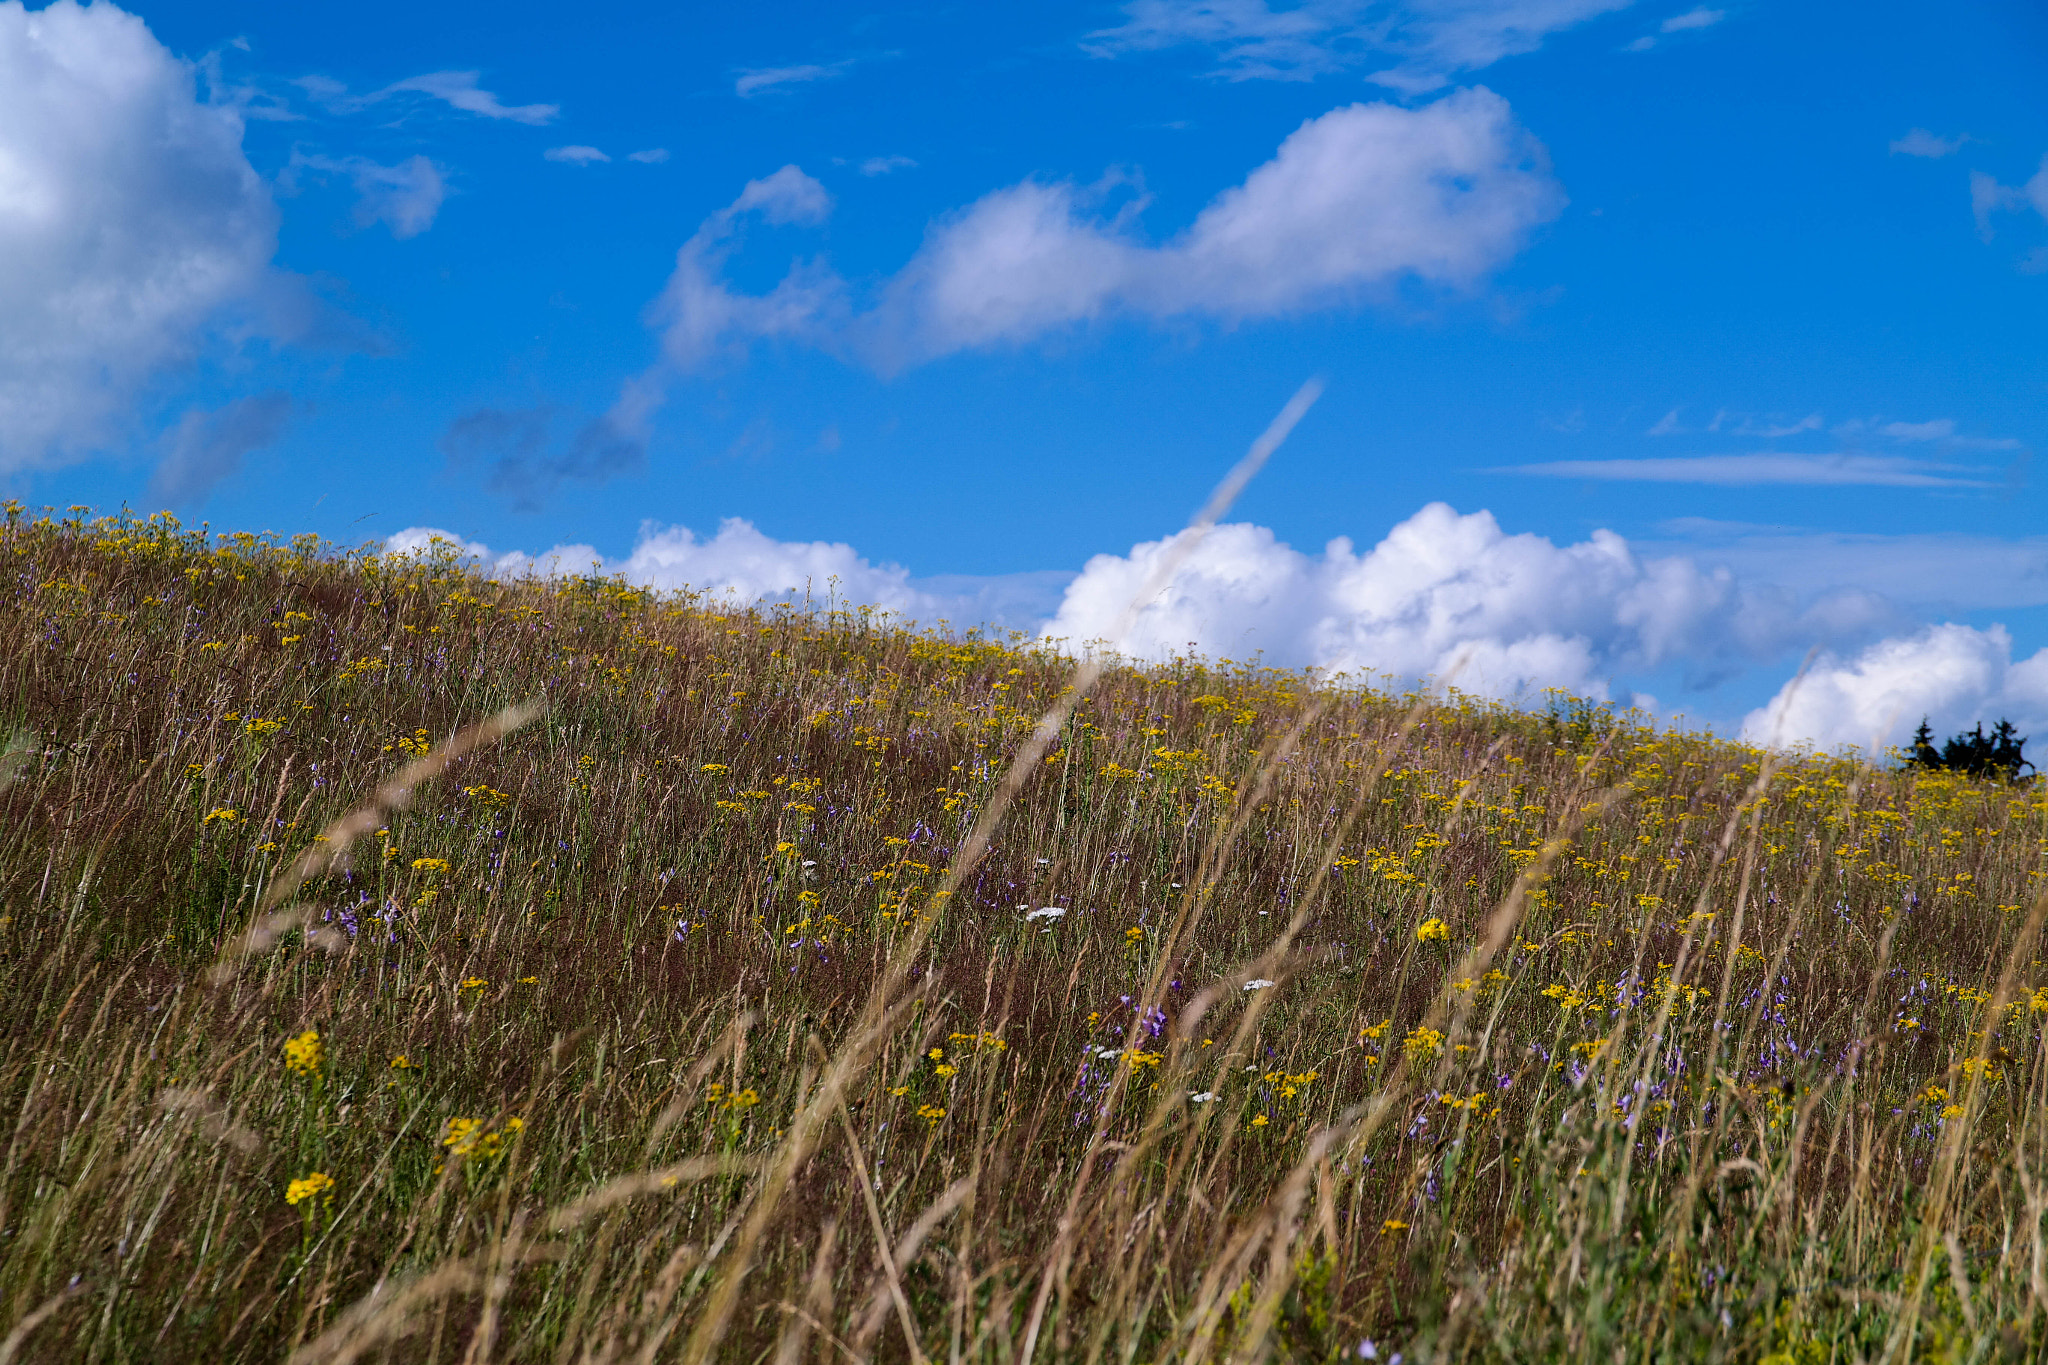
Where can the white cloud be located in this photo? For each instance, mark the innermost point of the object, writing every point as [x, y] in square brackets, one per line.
[1953, 675]
[651, 156]
[1692, 19]
[1931, 571]
[130, 220]
[1355, 198]
[1888, 471]
[208, 447]
[771, 80]
[1920, 142]
[883, 165]
[405, 197]
[696, 311]
[1353, 201]
[1456, 598]
[458, 90]
[1443, 595]
[1429, 41]
[1699, 18]
[575, 155]
[1987, 197]
[1940, 429]
[1772, 431]
[742, 564]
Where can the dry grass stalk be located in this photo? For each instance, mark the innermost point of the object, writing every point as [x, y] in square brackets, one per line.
[1274, 1015]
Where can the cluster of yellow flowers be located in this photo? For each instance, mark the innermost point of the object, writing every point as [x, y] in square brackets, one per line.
[1290, 1084]
[983, 1039]
[305, 1053]
[474, 1140]
[718, 1097]
[1424, 1042]
[415, 743]
[315, 1185]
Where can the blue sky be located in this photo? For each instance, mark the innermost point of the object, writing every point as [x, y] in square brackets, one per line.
[1757, 289]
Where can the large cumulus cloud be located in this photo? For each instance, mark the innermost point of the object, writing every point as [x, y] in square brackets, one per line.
[130, 221]
[1455, 598]
[1954, 676]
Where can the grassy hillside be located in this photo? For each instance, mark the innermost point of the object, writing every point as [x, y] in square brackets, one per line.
[725, 1005]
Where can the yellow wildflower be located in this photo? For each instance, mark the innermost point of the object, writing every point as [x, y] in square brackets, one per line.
[1423, 1042]
[304, 1053]
[314, 1185]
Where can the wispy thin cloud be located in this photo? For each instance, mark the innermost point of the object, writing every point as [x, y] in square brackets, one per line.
[1772, 430]
[456, 89]
[768, 80]
[1987, 197]
[405, 197]
[1691, 19]
[883, 165]
[575, 155]
[1940, 429]
[651, 156]
[1937, 431]
[1920, 142]
[1949, 570]
[1427, 44]
[205, 448]
[1742, 471]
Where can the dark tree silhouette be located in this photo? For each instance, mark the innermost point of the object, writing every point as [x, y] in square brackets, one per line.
[1998, 754]
[1923, 753]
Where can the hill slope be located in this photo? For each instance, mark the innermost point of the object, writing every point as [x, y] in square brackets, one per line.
[1272, 1019]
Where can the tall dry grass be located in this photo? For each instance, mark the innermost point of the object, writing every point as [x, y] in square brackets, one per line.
[643, 1031]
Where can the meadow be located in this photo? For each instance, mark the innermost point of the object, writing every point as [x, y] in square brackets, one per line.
[402, 965]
